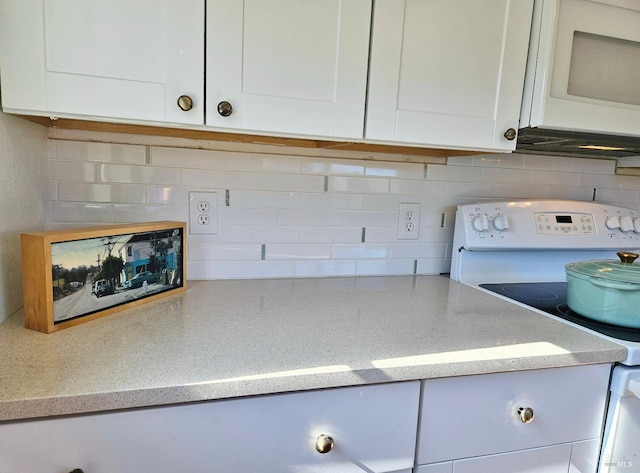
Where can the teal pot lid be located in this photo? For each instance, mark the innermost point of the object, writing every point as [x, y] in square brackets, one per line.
[624, 270]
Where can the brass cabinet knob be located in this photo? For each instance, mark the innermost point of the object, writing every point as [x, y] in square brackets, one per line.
[324, 443]
[510, 134]
[76, 470]
[225, 109]
[526, 414]
[185, 103]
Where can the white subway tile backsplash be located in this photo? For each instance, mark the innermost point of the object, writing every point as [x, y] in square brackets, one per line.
[330, 234]
[569, 193]
[506, 160]
[359, 251]
[137, 174]
[102, 152]
[434, 266]
[422, 187]
[441, 172]
[388, 202]
[354, 218]
[625, 198]
[289, 182]
[283, 215]
[168, 195]
[265, 163]
[72, 171]
[384, 267]
[298, 251]
[189, 158]
[81, 212]
[511, 176]
[599, 166]
[308, 217]
[610, 181]
[145, 213]
[324, 268]
[397, 170]
[257, 199]
[262, 234]
[332, 166]
[555, 177]
[217, 179]
[240, 269]
[381, 235]
[85, 192]
[224, 252]
[547, 163]
[245, 216]
[476, 190]
[520, 191]
[331, 201]
[417, 250]
[360, 185]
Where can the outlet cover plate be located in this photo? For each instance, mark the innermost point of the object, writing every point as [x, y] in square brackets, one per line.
[409, 221]
[203, 212]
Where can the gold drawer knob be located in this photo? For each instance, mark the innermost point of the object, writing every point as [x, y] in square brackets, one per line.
[324, 443]
[185, 103]
[526, 414]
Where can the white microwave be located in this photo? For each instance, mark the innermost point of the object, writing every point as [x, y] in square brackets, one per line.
[583, 70]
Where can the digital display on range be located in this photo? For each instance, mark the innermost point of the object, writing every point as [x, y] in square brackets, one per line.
[563, 219]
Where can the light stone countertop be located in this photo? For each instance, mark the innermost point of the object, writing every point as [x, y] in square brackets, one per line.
[223, 339]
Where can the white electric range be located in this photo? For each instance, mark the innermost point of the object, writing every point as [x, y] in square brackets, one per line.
[517, 250]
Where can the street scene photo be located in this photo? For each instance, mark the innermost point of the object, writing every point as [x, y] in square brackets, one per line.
[94, 274]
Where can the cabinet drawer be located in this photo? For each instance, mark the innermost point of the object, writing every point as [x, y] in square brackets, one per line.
[478, 415]
[373, 429]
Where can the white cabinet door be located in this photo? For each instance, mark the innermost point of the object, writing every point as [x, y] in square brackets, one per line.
[447, 72]
[288, 66]
[120, 59]
[373, 429]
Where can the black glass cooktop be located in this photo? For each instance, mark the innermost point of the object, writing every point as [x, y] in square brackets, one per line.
[551, 297]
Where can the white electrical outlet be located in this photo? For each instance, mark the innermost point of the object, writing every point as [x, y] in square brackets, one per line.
[203, 212]
[409, 221]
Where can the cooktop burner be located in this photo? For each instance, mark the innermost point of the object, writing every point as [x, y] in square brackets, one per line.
[551, 297]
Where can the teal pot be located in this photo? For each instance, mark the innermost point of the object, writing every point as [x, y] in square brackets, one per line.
[606, 290]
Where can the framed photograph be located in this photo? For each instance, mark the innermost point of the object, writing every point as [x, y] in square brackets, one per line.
[73, 276]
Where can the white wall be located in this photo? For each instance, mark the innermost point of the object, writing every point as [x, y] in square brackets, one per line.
[23, 200]
[296, 216]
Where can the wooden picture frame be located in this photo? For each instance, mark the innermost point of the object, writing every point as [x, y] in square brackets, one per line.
[74, 276]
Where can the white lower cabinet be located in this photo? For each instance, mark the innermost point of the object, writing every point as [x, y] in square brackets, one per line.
[483, 423]
[373, 429]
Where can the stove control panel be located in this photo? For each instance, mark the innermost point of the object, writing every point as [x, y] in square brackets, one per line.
[551, 224]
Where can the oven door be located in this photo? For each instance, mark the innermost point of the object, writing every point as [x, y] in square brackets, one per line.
[586, 74]
[620, 446]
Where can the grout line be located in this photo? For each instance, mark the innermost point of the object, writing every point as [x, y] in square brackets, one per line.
[264, 252]
[364, 231]
[227, 197]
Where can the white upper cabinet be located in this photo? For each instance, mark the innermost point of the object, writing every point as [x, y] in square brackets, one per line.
[288, 66]
[120, 59]
[447, 73]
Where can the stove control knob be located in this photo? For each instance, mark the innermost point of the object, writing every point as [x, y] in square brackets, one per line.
[626, 224]
[636, 225]
[612, 223]
[480, 223]
[501, 222]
